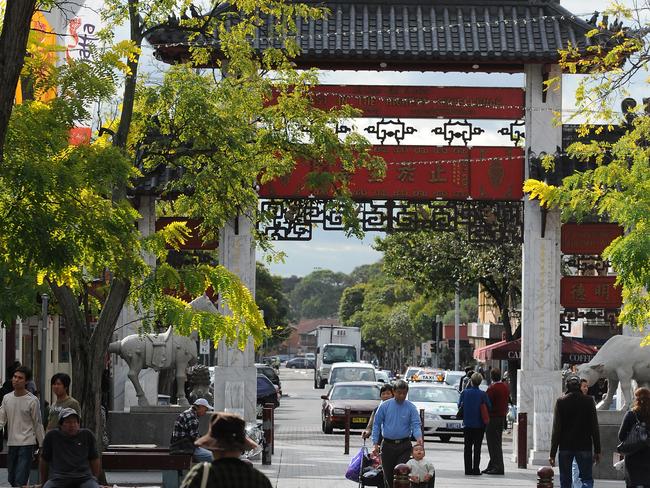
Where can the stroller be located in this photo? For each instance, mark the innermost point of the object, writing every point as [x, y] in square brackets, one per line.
[365, 468]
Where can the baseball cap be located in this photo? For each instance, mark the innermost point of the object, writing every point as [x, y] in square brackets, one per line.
[67, 412]
[202, 402]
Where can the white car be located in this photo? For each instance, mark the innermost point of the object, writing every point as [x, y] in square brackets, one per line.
[440, 404]
[382, 376]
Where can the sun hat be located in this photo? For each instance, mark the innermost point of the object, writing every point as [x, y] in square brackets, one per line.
[67, 412]
[227, 433]
[202, 402]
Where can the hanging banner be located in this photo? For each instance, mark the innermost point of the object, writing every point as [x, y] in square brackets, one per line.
[421, 173]
[424, 101]
[588, 239]
[590, 292]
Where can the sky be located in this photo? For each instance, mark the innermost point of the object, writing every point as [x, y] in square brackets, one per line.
[331, 249]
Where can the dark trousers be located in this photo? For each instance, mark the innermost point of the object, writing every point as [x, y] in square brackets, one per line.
[391, 455]
[473, 439]
[494, 438]
[19, 463]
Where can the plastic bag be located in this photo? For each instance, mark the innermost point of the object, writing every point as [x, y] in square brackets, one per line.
[373, 477]
[355, 468]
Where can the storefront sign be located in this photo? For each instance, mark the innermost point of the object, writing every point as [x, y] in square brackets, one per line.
[590, 292]
[588, 239]
[421, 173]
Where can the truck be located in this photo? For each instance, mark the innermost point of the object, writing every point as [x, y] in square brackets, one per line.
[334, 344]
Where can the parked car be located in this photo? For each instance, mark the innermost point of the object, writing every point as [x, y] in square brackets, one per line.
[382, 376]
[303, 363]
[351, 372]
[361, 396]
[440, 404]
[271, 374]
[267, 392]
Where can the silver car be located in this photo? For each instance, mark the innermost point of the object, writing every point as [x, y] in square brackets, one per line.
[440, 404]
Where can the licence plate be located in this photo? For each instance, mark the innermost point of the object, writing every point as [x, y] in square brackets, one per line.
[359, 420]
[454, 425]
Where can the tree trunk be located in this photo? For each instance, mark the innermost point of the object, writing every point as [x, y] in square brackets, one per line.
[13, 45]
[88, 349]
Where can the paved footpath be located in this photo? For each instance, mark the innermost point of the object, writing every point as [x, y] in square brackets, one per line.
[305, 458]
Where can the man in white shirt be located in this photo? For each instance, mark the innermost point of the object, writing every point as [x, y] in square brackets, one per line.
[21, 411]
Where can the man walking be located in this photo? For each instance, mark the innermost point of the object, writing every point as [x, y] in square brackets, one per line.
[60, 383]
[186, 431]
[498, 393]
[21, 411]
[69, 456]
[396, 420]
[575, 430]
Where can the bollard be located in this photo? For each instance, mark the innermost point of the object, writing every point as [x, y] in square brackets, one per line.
[422, 421]
[346, 448]
[545, 477]
[401, 476]
[272, 407]
[522, 440]
[267, 427]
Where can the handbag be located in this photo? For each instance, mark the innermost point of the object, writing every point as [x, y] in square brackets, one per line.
[485, 414]
[184, 445]
[636, 439]
[460, 413]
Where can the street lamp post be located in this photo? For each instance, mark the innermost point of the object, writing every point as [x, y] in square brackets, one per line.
[42, 379]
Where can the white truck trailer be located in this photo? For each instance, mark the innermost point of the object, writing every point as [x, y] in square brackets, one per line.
[334, 344]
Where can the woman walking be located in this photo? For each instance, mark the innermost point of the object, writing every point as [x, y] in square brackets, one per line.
[470, 401]
[637, 464]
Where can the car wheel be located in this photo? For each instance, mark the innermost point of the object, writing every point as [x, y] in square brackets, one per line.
[445, 438]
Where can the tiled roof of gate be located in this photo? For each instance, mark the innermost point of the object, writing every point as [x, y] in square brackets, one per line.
[424, 35]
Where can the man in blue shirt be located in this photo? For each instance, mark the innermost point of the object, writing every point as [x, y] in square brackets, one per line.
[396, 420]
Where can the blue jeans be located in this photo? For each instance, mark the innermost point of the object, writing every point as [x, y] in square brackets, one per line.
[202, 455]
[585, 464]
[19, 462]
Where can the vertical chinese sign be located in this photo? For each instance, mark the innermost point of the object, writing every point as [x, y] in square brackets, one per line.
[80, 41]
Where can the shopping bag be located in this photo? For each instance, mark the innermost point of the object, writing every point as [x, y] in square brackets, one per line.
[355, 468]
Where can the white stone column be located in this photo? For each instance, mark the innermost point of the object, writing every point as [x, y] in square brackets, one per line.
[235, 377]
[539, 380]
[128, 323]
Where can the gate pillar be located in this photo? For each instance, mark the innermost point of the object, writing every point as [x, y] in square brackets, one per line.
[235, 381]
[539, 380]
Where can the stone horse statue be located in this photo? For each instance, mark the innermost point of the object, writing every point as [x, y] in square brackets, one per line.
[157, 351]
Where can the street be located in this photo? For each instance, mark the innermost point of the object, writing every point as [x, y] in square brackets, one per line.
[305, 457]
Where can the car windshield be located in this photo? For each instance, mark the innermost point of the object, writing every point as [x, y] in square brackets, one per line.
[353, 374]
[339, 354]
[433, 394]
[354, 392]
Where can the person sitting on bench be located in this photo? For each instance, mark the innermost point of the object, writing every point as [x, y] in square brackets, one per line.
[69, 456]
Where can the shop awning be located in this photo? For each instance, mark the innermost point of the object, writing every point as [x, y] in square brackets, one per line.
[573, 351]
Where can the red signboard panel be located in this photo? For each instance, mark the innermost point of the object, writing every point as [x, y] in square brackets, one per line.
[588, 238]
[590, 292]
[422, 173]
[497, 173]
[424, 101]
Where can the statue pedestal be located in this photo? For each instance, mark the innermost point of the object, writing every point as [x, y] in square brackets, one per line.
[609, 422]
[147, 425]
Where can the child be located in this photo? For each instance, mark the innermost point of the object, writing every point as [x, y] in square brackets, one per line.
[423, 475]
